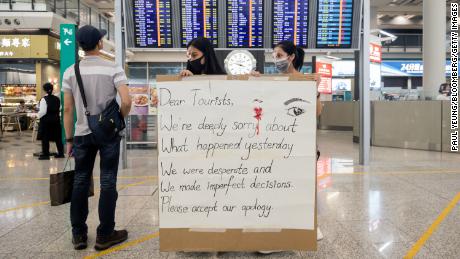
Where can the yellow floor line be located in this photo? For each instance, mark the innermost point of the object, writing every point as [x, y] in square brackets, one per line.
[26, 206]
[419, 244]
[133, 184]
[418, 172]
[97, 177]
[96, 191]
[124, 245]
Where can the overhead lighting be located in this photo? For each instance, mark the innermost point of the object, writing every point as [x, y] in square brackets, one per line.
[388, 36]
[329, 56]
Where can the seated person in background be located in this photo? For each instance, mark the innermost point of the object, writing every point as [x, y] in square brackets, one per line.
[202, 59]
[22, 119]
[444, 92]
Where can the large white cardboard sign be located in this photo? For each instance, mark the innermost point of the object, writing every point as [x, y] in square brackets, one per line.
[237, 154]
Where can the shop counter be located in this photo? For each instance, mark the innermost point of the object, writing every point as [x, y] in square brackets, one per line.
[407, 124]
[337, 115]
[423, 125]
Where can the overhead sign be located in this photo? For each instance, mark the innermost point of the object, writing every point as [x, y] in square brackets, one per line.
[245, 23]
[290, 21]
[389, 68]
[68, 52]
[23, 46]
[407, 68]
[334, 27]
[199, 18]
[375, 52]
[152, 23]
[325, 70]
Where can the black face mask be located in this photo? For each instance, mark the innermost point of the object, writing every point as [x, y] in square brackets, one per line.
[195, 66]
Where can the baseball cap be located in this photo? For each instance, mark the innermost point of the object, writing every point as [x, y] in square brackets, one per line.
[88, 37]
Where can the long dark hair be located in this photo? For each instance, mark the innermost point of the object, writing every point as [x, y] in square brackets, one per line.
[290, 48]
[211, 66]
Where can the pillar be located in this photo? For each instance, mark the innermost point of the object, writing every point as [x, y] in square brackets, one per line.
[374, 18]
[434, 46]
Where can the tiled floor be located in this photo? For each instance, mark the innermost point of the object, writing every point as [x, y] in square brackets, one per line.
[375, 211]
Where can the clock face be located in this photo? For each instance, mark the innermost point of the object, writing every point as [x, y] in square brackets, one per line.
[240, 63]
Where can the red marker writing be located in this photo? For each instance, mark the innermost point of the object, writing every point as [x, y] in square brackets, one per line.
[258, 116]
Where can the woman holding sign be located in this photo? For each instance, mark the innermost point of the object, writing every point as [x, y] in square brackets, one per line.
[289, 59]
[202, 59]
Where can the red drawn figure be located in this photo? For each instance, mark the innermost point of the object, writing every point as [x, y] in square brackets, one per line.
[258, 116]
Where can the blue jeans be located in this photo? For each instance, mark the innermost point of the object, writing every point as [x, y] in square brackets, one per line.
[85, 149]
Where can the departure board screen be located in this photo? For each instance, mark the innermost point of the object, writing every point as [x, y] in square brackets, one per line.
[152, 24]
[245, 23]
[290, 21]
[335, 21]
[198, 18]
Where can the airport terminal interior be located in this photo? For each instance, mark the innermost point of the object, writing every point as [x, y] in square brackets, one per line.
[383, 69]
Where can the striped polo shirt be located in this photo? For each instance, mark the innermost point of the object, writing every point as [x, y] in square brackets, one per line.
[101, 79]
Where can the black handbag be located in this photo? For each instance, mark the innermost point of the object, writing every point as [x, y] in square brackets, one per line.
[61, 186]
[107, 125]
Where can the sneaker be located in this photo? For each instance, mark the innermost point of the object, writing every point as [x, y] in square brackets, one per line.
[59, 156]
[117, 236]
[80, 242]
[43, 157]
[319, 235]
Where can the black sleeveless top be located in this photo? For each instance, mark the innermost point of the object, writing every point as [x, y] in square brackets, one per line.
[53, 106]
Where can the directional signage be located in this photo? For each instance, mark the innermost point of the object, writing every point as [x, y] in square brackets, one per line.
[68, 53]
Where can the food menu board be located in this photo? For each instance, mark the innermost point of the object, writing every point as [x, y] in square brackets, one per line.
[334, 24]
[198, 18]
[290, 21]
[140, 99]
[245, 25]
[152, 24]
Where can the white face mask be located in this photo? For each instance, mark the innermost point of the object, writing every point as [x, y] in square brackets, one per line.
[282, 65]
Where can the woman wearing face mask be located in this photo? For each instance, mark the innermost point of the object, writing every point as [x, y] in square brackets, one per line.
[289, 59]
[202, 59]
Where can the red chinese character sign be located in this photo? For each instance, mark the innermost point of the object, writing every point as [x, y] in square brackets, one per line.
[325, 70]
[375, 52]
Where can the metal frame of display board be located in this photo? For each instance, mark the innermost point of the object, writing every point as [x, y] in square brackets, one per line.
[222, 39]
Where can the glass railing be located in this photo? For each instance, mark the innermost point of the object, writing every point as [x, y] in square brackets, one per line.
[405, 41]
[409, 42]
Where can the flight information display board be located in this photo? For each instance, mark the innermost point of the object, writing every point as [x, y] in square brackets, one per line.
[334, 24]
[245, 23]
[152, 24]
[198, 18]
[290, 21]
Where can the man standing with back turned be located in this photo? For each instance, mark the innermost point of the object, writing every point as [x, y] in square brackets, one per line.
[101, 81]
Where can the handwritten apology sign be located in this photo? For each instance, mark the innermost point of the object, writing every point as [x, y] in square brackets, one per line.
[237, 154]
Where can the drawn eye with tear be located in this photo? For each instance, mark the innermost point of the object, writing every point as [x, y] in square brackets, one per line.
[294, 108]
